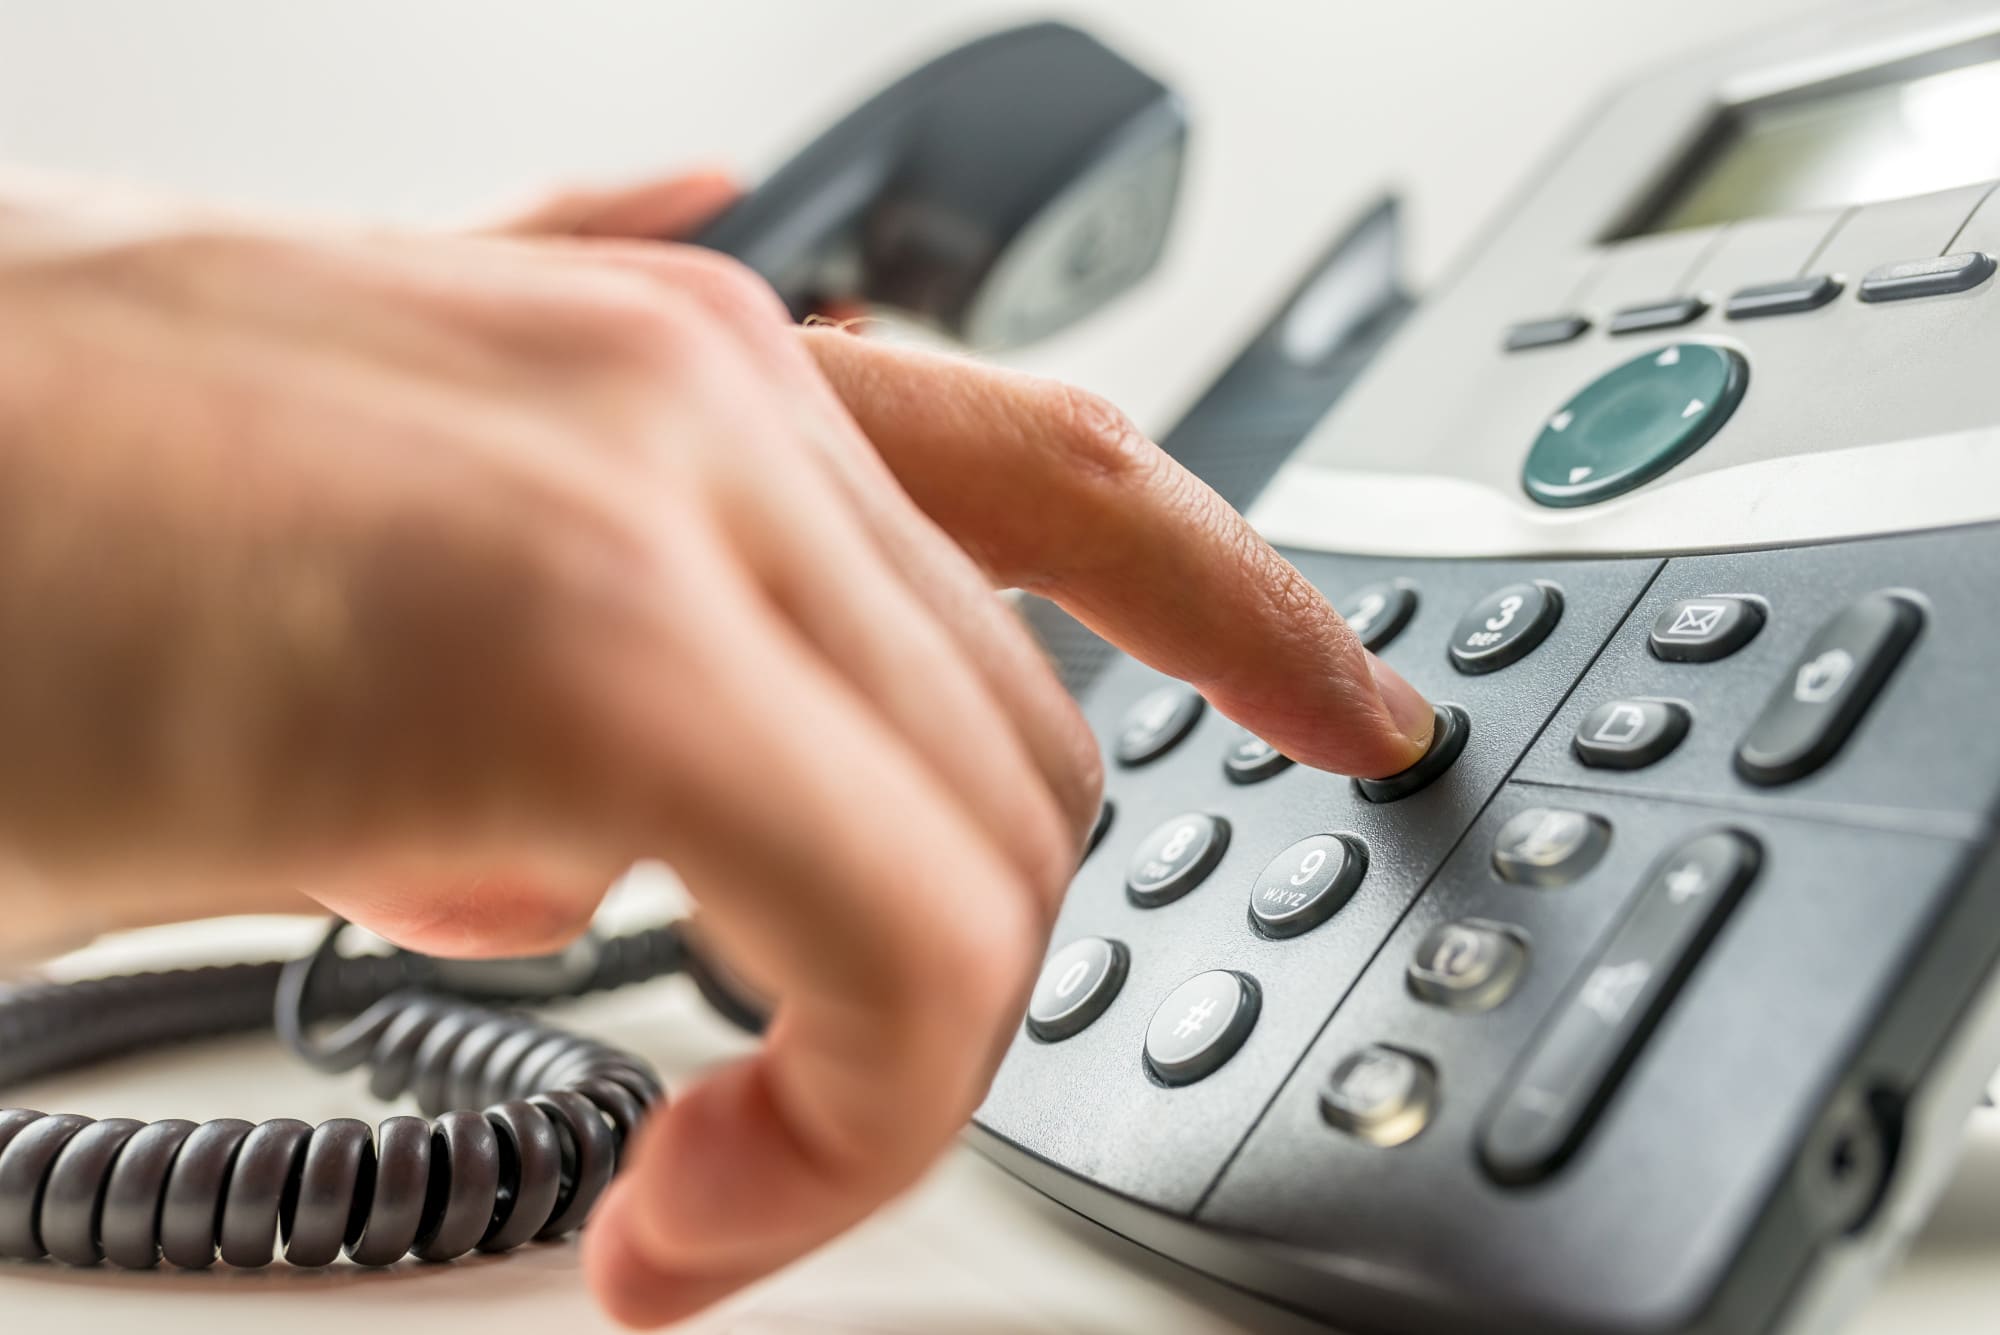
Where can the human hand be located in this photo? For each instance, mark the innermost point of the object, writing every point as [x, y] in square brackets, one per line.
[447, 576]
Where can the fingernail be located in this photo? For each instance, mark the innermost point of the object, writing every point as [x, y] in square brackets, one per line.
[1413, 714]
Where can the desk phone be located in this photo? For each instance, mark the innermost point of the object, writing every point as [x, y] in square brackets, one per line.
[1655, 997]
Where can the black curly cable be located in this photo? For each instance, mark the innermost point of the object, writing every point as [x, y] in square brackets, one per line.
[557, 1111]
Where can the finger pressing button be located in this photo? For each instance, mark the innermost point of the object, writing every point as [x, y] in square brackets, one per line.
[1448, 735]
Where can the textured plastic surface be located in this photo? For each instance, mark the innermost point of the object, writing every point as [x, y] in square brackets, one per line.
[1690, 1201]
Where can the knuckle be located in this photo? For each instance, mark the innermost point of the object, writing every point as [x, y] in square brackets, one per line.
[729, 289]
[1096, 438]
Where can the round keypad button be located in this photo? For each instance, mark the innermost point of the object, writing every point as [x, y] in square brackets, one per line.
[1307, 884]
[1175, 858]
[1252, 759]
[1505, 626]
[1154, 725]
[1077, 984]
[1377, 614]
[1200, 1026]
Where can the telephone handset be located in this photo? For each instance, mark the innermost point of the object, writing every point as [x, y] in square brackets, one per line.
[1000, 192]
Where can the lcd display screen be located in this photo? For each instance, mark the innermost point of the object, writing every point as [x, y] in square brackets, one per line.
[1857, 146]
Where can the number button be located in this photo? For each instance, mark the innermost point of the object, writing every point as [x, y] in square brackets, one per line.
[1252, 760]
[1505, 626]
[1077, 985]
[1307, 884]
[1378, 613]
[1156, 724]
[1175, 858]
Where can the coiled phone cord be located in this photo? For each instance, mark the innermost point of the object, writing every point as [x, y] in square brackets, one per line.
[556, 1112]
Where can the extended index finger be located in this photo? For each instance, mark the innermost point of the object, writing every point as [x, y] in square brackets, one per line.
[1054, 491]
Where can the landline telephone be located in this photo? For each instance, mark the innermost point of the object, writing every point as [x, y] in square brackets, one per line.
[1654, 998]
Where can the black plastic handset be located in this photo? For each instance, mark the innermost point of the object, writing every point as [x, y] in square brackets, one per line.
[1000, 192]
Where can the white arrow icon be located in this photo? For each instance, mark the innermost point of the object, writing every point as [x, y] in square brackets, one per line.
[1579, 474]
[1694, 406]
[1561, 420]
[1671, 357]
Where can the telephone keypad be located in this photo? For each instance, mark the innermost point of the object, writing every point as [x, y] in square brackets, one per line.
[1690, 1110]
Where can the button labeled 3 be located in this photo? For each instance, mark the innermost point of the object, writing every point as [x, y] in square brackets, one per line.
[1505, 626]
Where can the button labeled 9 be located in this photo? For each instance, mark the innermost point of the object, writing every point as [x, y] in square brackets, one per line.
[1307, 884]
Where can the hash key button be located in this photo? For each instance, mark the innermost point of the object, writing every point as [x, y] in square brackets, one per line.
[1821, 698]
[1701, 630]
[1200, 1026]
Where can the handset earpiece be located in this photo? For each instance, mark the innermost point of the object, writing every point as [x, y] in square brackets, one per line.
[1000, 192]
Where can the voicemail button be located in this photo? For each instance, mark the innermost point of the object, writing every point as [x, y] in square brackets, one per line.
[1701, 630]
[1630, 734]
[1821, 698]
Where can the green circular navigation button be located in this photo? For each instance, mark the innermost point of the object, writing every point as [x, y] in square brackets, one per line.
[1633, 423]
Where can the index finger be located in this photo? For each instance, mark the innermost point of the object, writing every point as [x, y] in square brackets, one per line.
[1054, 491]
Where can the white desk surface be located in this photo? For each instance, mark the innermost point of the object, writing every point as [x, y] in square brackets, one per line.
[970, 1251]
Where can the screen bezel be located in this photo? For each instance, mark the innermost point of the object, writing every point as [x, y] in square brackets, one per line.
[1727, 120]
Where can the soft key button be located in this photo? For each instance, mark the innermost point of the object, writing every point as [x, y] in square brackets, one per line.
[1823, 695]
[1630, 734]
